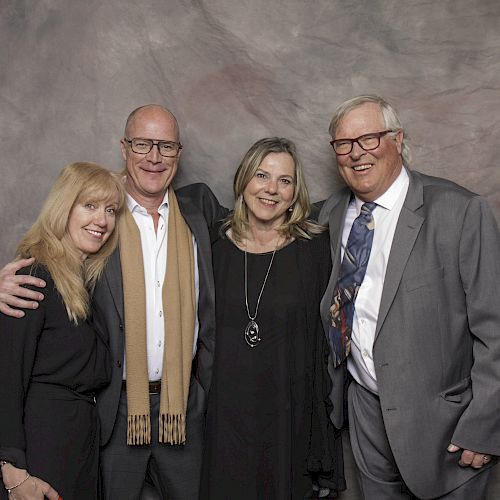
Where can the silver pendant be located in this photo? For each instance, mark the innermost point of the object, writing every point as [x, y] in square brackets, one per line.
[252, 337]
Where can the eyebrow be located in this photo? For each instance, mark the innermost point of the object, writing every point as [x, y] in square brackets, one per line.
[292, 176]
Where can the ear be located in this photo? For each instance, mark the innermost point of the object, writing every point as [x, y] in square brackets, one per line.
[123, 147]
[398, 138]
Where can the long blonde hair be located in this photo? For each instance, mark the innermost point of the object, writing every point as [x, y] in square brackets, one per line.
[296, 224]
[49, 243]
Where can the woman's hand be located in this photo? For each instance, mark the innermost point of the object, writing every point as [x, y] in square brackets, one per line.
[31, 489]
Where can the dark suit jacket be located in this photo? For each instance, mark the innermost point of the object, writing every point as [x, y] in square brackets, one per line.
[108, 303]
[437, 343]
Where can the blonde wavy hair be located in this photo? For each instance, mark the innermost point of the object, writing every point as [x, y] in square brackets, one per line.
[49, 243]
[296, 224]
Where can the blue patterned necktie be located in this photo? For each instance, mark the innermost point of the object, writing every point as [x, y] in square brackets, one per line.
[352, 273]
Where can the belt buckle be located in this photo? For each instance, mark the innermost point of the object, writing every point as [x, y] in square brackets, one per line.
[155, 387]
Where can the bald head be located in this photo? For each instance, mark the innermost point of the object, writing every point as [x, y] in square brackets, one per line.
[149, 174]
[151, 112]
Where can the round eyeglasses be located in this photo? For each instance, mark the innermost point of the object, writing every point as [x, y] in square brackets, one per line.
[168, 149]
[368, 142]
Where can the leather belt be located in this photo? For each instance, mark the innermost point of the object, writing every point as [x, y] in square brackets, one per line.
[154, 387]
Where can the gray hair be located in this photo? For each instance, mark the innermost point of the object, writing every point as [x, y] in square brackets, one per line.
[391, 119]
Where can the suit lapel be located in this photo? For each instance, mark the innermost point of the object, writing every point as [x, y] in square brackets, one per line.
[336, 228]
[113, 277]
[407, 229]
[336, 225]
[198, 225]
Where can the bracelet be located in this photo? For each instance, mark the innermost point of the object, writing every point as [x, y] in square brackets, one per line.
[18, 484]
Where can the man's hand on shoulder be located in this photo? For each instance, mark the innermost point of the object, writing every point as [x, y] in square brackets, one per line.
[13, 295]
[470, 458]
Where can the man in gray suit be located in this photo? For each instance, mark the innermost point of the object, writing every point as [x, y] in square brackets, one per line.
[423, 348]
[151, 150]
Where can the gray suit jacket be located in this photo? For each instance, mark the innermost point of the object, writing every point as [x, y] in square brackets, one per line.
[200, 209]
[437, 344]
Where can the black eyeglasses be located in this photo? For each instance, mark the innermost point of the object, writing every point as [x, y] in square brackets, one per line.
[168, 149]
[368, 142]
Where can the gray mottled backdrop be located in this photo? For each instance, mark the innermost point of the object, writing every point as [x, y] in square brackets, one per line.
[233, 72]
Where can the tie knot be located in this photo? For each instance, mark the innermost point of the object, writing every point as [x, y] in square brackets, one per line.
[368, 207]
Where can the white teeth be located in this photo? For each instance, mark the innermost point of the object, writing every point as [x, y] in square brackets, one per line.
[359, 168]
[95, 233]
[268, 202]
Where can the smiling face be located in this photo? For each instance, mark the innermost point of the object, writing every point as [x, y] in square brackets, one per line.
[368, 173]
[270, 191]
[149, 175]
[90, 224]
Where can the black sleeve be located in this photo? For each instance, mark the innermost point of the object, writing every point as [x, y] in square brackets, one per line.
[18, 343]
[205, 200]
[325, 462]
[316, 209]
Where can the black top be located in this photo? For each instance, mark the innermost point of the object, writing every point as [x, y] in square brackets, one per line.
[262, 405]
[49, 370]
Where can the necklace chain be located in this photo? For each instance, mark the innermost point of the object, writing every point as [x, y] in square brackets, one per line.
[252, 336]
[250, 317]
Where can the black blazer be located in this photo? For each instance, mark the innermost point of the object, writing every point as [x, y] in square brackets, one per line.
[200, 209]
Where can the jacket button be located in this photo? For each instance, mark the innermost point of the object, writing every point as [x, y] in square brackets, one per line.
[119, 364]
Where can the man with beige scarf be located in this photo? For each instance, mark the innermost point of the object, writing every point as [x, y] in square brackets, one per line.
[156, 300]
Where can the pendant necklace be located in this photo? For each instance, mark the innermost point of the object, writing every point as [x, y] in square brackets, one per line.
[252, 337]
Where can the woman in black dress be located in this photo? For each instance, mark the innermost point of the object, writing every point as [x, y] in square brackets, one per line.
[51, 360]
[268, 431]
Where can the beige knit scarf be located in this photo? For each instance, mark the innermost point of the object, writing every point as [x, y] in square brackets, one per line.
[179, 308]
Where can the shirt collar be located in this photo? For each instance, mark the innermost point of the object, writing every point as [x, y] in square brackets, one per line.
[133, 205]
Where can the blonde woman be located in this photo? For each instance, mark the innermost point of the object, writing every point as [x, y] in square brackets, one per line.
[268, 433]
[52, 360]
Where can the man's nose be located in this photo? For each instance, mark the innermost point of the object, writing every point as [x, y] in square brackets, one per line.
[356, 150]
[154, 155]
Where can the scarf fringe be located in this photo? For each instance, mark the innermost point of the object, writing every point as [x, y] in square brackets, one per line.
[138, 429]
[172, 429]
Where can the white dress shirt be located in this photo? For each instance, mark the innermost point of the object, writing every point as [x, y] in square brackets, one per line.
[154, 256]
[386, 215]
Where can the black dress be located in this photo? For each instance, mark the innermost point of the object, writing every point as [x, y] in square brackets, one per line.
[263, 407]
[49, 371]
